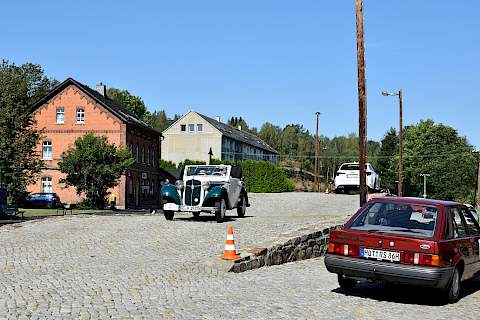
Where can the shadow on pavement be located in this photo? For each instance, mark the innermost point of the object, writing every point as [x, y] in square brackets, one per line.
[209, 218]
[406, 294]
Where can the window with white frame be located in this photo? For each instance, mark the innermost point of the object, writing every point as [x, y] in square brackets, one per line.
[47, 185]
[191, 127]
[80, 116]
[47, 150]
[60, 115]
[199, 127]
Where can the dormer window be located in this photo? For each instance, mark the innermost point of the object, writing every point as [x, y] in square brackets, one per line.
[80, 116]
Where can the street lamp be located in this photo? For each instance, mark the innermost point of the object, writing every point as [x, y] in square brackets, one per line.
[317, 154]
[425, 175]
[400, 162]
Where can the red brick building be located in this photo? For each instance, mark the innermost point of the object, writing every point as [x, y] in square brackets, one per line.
[72, 109]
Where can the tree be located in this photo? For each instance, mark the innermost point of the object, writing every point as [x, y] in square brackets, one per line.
[388, 160]
[437, 149]
[271, 134]
[158, 120]
[239, 121]
[93, 166]
[20, 87]
[134, 104]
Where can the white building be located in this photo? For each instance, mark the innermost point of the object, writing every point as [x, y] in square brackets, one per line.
[192, 136]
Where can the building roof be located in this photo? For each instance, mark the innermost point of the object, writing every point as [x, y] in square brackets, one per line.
[114, 107]
[240, 135]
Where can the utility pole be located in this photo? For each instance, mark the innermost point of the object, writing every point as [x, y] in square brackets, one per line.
[362, 100]
[424, 175]
[400, 145]
[317, 160]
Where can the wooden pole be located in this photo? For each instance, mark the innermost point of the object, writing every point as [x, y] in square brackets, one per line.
[362, 100]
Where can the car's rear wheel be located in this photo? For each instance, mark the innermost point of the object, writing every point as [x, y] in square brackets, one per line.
[168, 214]
[452, 292]
[242, 207]
[346, 284]
[196, 215]
[221, 208]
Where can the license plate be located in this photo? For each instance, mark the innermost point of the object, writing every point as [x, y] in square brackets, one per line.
[352, 175]
[190, 208]
[379, 254]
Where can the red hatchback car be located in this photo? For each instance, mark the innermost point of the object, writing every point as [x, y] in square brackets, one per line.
[414, 241]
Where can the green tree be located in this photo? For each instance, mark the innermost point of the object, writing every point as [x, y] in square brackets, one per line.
[437, 149]
[93, 166]
[388, 160]
[133, 103]
[158, 120]
[20, 86]
[271, 134]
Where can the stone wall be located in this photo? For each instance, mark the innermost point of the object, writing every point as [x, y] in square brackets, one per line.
[300, 248]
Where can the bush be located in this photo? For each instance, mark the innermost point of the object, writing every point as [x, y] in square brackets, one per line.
[164, 164]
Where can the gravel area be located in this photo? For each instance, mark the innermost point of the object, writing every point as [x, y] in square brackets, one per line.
[142, 266]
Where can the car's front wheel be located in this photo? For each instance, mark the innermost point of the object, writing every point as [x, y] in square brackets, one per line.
[452, 292]
[168, 214]
[221, 208]
[346, 284]
[242, 207]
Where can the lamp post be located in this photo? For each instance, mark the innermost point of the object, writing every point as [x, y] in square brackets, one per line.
[425, 175]
[210, 154]
[400, 144]
[317, 160]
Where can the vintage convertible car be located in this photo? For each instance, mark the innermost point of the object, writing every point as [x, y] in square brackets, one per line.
[206, 188]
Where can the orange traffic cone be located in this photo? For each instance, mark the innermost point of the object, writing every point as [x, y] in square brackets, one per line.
[230, 252]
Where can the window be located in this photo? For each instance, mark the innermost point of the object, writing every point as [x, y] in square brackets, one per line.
[130, 186]
[199, 127]
[191, 127]
[47, 150]
[398, 218]
[80, 116]
[153, 158]
[459, 230]
[183, 127]
[148, 156]
[47, 184]
[143, 154]
[60, 115]
[470, 221]
[137, 155]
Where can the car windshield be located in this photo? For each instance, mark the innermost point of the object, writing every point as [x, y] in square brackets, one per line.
[398, 218]
[207, 171]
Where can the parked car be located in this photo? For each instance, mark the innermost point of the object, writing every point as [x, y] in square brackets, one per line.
[348, 177]
[412, 241]
[206, 188]
[42, 200]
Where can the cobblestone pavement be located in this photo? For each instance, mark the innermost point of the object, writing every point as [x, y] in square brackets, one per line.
[142, 266]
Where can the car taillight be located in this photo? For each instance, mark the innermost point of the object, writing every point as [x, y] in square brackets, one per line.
[422, 259]
[343, 249]
[340, 173]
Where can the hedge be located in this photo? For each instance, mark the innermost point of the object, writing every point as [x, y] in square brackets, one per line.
[260, 176]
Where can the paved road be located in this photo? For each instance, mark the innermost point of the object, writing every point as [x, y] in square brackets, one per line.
[141, 266]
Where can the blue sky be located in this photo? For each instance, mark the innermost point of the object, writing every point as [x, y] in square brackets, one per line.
[276, 61]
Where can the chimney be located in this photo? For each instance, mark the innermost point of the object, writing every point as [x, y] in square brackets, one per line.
[240, 127]
[218, 118]
[102, 89]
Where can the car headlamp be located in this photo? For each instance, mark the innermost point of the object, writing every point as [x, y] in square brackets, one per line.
[179, 184]
[205, 185]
